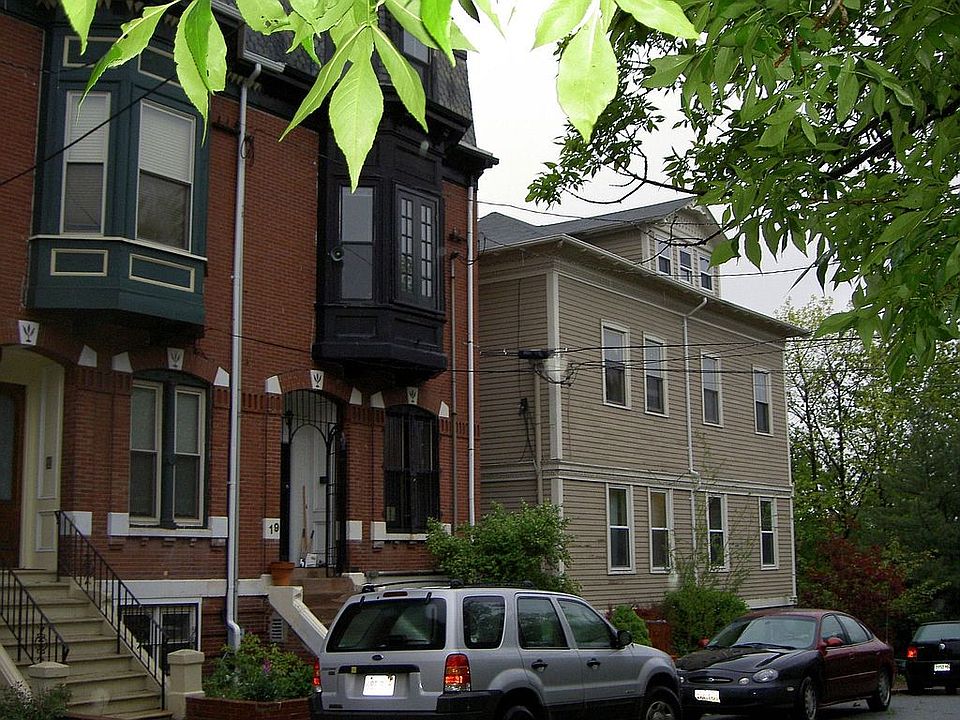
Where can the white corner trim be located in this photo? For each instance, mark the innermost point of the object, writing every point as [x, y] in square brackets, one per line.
[355, 530]
[88, 357]
[376, 401]
[356, 397]
[222, 379]
[121, 363]
[82, 519]
[272, 385]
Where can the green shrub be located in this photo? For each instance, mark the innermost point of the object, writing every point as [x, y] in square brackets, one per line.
[624, 617]
[17, 703]
[696, 612]
[258, 672]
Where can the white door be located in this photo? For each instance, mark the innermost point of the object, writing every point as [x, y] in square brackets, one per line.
[308, 496]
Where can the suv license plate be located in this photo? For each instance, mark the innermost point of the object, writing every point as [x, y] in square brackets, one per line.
[712, 696]
[379, 685]
[941, 667]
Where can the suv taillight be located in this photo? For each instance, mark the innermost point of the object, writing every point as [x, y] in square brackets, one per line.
[316, 675]
[456, 674]
[912, 652]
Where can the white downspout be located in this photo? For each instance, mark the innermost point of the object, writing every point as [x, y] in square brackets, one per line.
[686, 375]
[471, 375]
[234, 631]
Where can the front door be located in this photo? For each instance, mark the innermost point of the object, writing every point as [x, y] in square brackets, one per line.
[11, 442]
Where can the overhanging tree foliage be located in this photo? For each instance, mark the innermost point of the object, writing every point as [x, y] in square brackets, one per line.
[830, 126]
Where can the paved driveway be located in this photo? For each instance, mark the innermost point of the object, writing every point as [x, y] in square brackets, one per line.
[933, 705]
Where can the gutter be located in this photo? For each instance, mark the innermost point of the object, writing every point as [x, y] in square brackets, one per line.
[471, 360]
[234, 631]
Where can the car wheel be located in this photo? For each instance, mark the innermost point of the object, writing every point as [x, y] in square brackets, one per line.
[914, 686]
[660, 704]
[518, 712]
[806, 703]
[880, 700]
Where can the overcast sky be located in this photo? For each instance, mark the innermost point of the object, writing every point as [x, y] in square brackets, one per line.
[517, 118]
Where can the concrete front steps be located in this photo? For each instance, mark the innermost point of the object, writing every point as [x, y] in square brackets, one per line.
[103, 682]
[323, 595]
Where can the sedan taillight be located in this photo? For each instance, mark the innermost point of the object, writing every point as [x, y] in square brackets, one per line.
[456, 674]
[912, 652]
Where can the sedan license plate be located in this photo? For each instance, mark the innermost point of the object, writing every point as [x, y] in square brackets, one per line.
[941, 667]
[379, 685]
[711, 696]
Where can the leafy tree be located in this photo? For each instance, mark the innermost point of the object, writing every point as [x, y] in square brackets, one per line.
[697, 611]
[527, 545]
[625, 617]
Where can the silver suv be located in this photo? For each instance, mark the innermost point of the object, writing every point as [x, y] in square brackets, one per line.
[486, 654]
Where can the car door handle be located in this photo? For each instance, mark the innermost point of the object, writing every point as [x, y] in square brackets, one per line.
[593, 663]
[538, 665]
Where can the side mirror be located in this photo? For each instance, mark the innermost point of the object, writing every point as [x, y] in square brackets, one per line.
[624, 638]
[703, 642]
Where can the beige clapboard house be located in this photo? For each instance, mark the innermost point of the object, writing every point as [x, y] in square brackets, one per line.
[617, 383]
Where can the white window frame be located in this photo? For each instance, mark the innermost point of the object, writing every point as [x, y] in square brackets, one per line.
[685, 272]
[762, 372]
[189, 180]
[772, 532]
[625, 361]
[629, 528]
[76, 96]
[669, 528]
[721, 531]
[717, 374]
[157, 390]
[663, 256]
[709, 273]
[660, 372]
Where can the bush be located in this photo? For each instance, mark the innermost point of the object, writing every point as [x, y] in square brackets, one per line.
[696, 612]
[506, 548]
[625, 617]
[258, 672]
[18, 703]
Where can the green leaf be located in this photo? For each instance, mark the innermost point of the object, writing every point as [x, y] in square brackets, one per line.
[435, 15]
[848, 88]
[837, 323]
[80, 14]
[134, 37]
[901, 225]
[666, 70]
[724, 251]
[193, 84]
[663, 15]
[326, 79]
[774, 135]
[559, 20]
[952, 266]
[727, 60]
[587, 76]
[751, 244]
[196, 30]
[356, 107]
[263, 16]
[785, 114]
[405, 79]
[487, 8]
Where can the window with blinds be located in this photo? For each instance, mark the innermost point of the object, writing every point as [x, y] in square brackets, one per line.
[84, 163]
[165, 180]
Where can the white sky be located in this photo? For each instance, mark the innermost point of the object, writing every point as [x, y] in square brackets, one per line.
[517, 118]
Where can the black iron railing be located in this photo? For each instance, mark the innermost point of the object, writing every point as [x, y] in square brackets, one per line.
[79, 559]
[37, 638]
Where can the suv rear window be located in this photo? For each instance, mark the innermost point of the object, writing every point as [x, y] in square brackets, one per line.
[483, 622]
[413, 624]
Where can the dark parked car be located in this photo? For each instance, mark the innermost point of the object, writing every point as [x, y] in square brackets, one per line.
[793, 661]
[486, 654]
[933, 657]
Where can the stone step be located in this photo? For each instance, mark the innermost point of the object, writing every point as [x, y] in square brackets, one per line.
[134, 702]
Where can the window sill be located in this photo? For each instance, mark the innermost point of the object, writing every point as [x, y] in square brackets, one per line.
[379, 533]
[621, 571]
[119, 525]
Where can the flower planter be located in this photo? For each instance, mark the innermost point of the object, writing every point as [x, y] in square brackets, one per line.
[281, 571]
[207, 708]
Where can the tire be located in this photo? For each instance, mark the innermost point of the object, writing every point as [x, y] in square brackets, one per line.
[808, 697]
[660, 703]
[880, 700]
[518, 712]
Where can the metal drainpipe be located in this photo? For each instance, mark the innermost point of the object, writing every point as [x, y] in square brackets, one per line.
[686, 374]
[471, 380]
[453, 387]
[234, 631]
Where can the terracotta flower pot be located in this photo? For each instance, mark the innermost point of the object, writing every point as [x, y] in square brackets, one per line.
[280, 571]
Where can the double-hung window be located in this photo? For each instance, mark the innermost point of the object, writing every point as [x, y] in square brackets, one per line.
[165, 191]
[710, 376]
[615, 348]
[655, 383]
[768, 533]
[85, 163]
[706, 273]
[686, 266]
[664, 256]
[660, 513]
[761, 400]
[411, 469]
[620, 529]
[417, 249]
[167, 453]
[716, 533]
